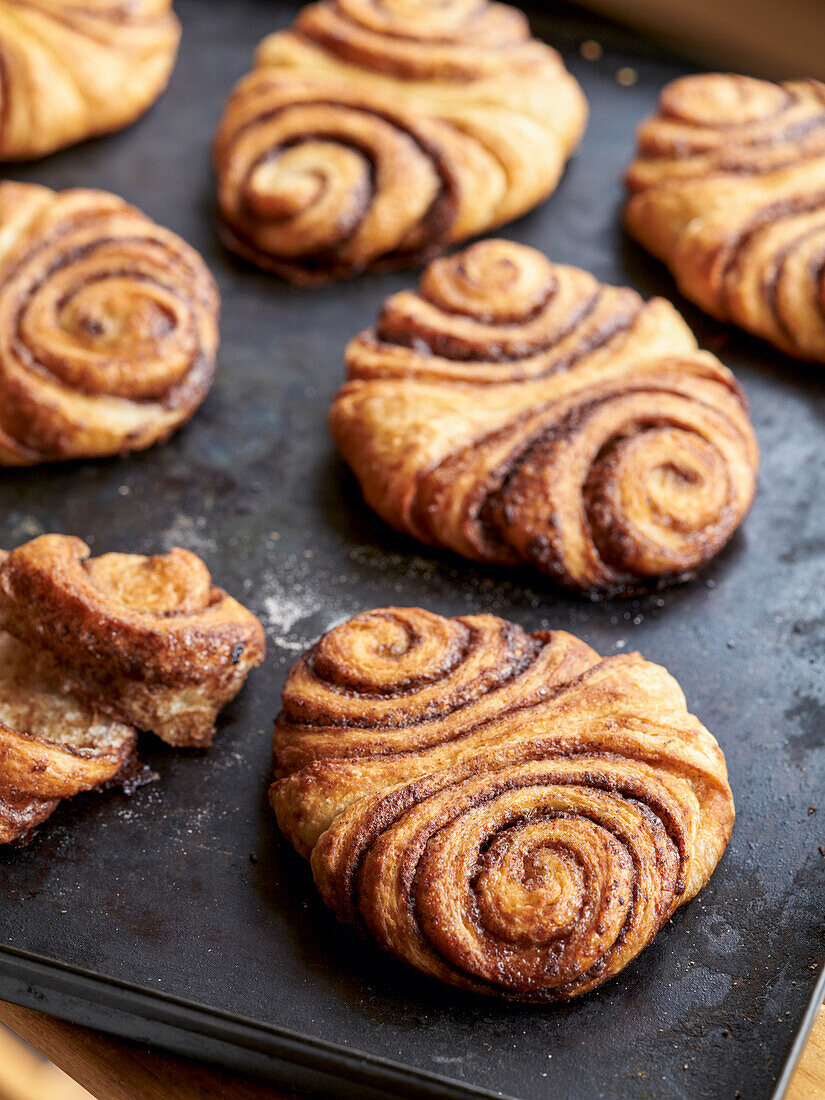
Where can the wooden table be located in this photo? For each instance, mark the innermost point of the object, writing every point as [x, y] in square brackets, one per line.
[114, 1070]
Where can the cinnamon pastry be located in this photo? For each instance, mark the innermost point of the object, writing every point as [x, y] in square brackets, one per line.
[150, 641]
[52, 744]
[373, 135]
[508, 812]
[518, 411]
[728, 190]
[71, 69]
[108, 326]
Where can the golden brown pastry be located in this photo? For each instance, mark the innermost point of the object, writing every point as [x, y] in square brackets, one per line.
[52, 744]
[518, 411]
[72, 69]
[375, 134]
[108, 326]
[728, 190]
[508, 812]
[150, 641]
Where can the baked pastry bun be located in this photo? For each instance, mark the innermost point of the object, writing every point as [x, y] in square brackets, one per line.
[52, 744]
[728, 189]
[76, 68]
[151, 641]
[507, 812]
[108, 326]
[520, 412]
[373, 135]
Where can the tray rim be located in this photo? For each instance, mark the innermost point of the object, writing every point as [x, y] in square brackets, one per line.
[45, 976]
[800, 1039]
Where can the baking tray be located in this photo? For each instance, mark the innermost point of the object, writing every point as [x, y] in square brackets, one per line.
[179, 916]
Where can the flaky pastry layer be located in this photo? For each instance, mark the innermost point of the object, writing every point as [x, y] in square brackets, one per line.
[53, 744]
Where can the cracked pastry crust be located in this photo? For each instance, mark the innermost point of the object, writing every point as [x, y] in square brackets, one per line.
[728, 189]
[518, 411]
[373, 135]
[72, 69]
[149, 640]
[108, 326]
[508, 812]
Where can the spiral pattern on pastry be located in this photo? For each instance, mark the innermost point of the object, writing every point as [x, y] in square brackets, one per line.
[515, 410]
[151, 640]
[108, 326]
[728, 190]
[72, 69]
[507, 812]
[375, 134]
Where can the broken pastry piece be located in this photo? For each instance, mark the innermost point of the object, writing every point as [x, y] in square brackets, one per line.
[52, 744]
[150, 640]
[93, 649]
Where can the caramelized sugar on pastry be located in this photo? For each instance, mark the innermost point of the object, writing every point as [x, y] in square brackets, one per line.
[375, 134]
[519, 411]
[508, 812]
[151, 641]
[52, 744]
[75, 68]
[728, 190]
[108, 326]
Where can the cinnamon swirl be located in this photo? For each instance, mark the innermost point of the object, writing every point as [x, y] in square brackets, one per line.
[728, 189]
[108, 326]
[507, 812]
[518, 411]
[376, 134]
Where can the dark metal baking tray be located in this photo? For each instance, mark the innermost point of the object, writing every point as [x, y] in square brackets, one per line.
[179, 916]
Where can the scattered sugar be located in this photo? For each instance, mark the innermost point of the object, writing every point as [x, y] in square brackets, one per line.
[292, 607]
[481, 591]
[189, 534]
[22, 527]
